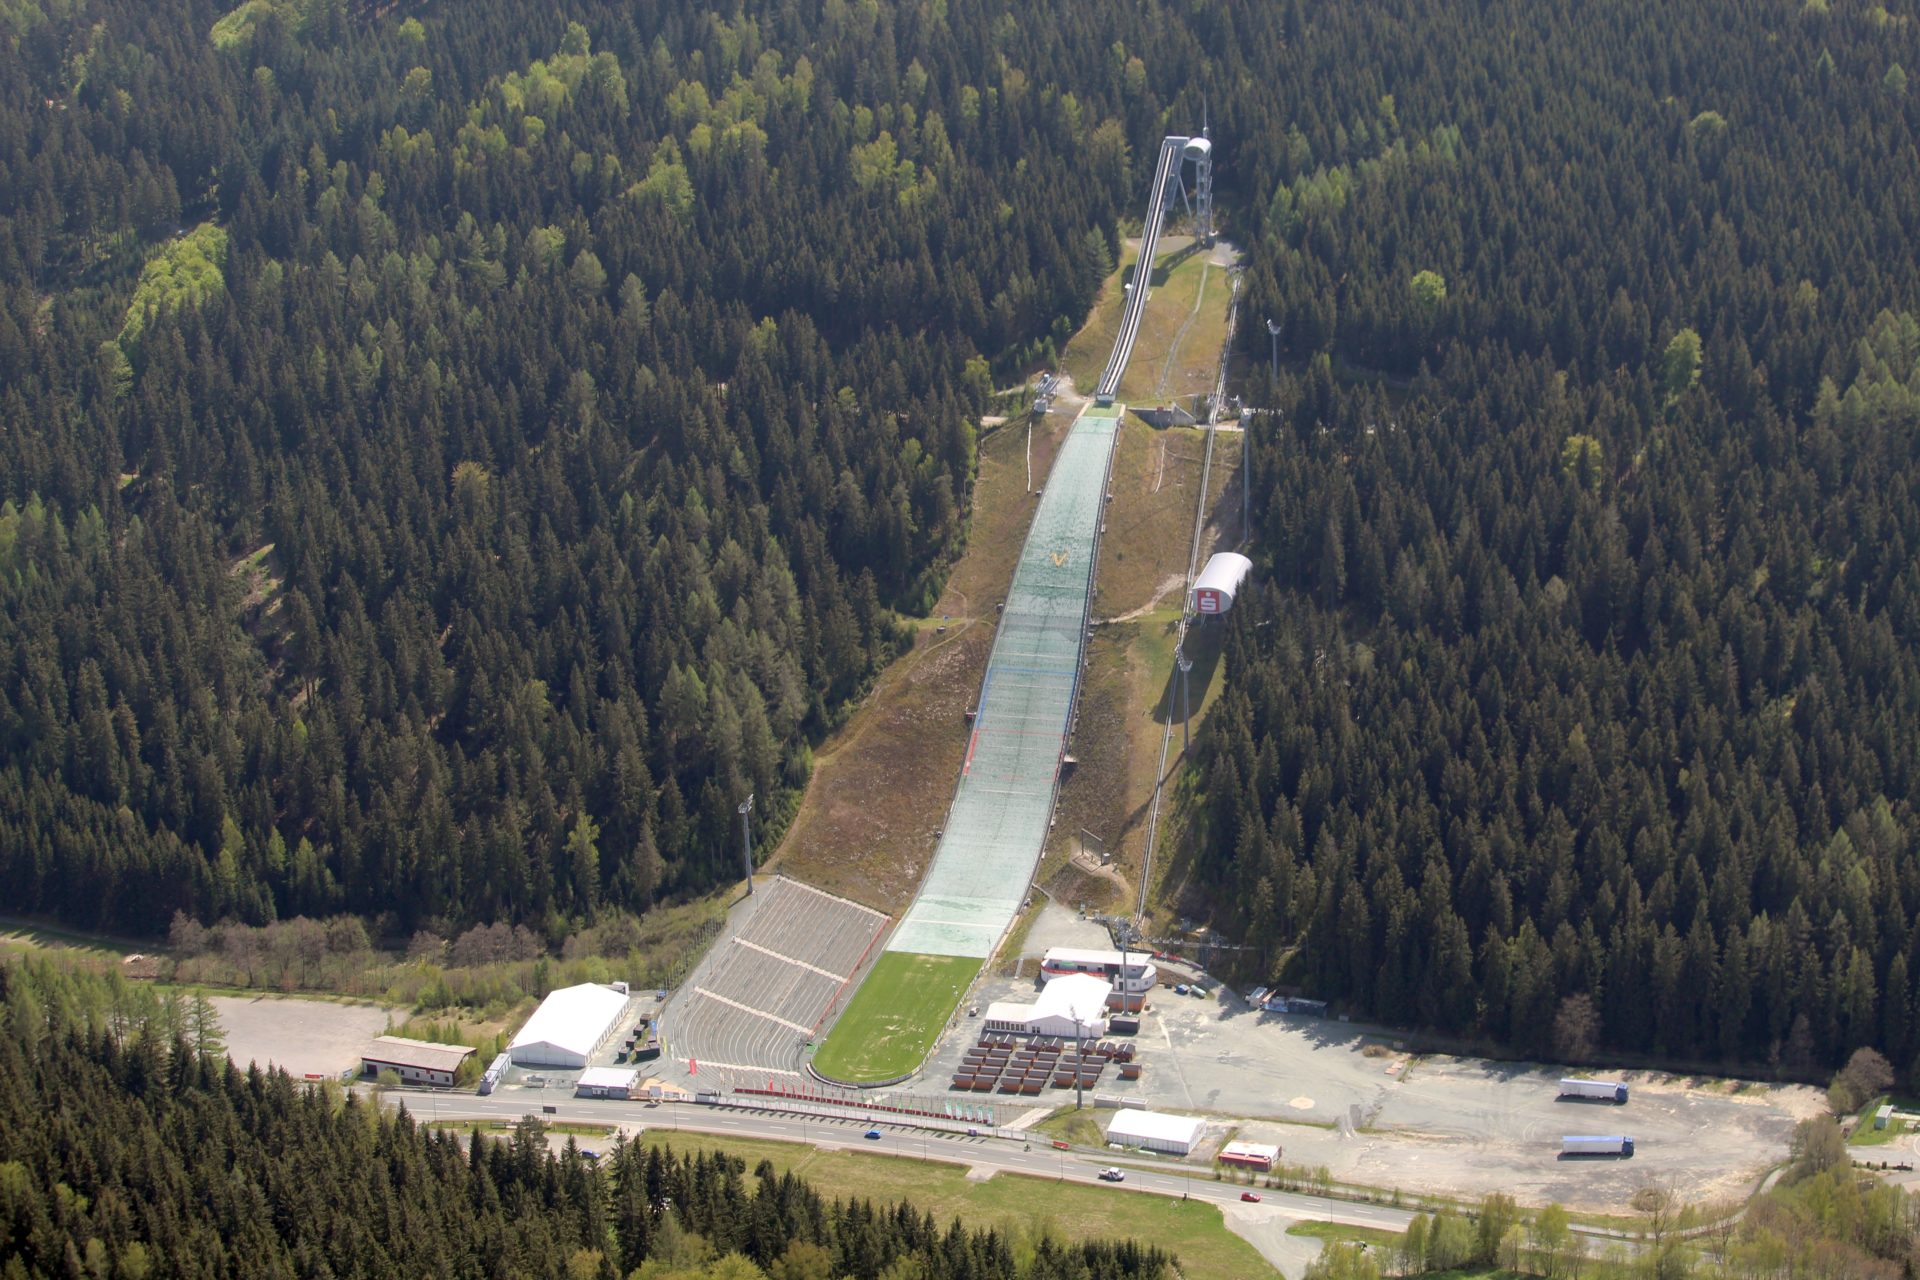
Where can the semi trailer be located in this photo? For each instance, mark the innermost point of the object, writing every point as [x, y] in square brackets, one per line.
[1600, 1090]
[1585, 1146]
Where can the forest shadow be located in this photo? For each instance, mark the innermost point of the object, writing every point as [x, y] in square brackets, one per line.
[1163, 267]
[1203, 645]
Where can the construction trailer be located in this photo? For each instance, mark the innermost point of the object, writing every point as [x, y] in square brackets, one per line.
[1595, 1090]
[496, 1072]
[1596, 1146]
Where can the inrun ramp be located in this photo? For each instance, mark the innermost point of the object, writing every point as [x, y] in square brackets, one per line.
[1004, 801]
[1136, 301]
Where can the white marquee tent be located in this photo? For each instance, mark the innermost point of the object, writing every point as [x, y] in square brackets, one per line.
[1074, 1005]
[569, 1026]
[1155, 1131]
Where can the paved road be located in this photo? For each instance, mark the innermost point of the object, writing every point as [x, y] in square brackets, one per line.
[1263, 1225]
[997, 1154]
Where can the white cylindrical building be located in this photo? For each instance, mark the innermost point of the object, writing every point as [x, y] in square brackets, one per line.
[1219, 582]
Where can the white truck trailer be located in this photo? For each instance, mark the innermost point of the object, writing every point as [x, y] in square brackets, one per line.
[1598, 1090]
[1585, 1146]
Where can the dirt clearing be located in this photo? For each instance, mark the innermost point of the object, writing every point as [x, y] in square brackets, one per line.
[303, 1037]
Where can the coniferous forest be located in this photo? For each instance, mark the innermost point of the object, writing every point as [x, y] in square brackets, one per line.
[1577, 706]
[124, 1153]
[453, 453]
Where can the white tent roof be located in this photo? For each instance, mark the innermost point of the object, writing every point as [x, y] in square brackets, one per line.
[607, 1078]
[1080, 996]
[1009, 1011]
[573, 1018]
[1154, 1126]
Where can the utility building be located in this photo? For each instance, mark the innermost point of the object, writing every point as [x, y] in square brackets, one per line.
[414, 1061]
[1253, 1155]
[569, 1027]
[605, 1082]
[1132, 972]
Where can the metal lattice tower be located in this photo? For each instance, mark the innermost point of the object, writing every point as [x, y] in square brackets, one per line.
[1200, 151]
[1203, 188]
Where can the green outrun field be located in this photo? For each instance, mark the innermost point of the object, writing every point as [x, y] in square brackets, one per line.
[894, 1016]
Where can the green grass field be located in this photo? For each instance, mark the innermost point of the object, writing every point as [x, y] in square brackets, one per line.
[892, 1020]
[1865, 1135]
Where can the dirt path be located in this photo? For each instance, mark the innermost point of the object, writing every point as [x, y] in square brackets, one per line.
[1167, 587]
[1180, 336]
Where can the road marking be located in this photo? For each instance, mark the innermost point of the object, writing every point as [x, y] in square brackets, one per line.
[812, 968]
[758, 1013]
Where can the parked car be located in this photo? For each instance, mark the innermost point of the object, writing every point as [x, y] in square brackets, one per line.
[873, 1134]
[1180, 989]
[1110, 1174]
[1250, 1197]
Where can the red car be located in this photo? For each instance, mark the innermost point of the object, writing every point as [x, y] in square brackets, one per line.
[1250, 1197]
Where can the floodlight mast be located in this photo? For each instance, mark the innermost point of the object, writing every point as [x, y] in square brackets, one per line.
[746, 839]
[1186, 707]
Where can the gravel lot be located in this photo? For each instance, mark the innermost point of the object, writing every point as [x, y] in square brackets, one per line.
[1456, 1126]
[306, 1037]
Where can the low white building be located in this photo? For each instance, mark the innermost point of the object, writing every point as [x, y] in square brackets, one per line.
[1071, 1006]
[1132, 972]
[414, 1061]
[1155, 1131]
[569, 1027]
[1254, 1155]
[605, 1082]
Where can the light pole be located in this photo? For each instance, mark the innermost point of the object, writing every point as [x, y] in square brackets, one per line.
[1273, 334]
[1079, 1056]
[1185, 664]
[746, 838]
[1246, 477]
